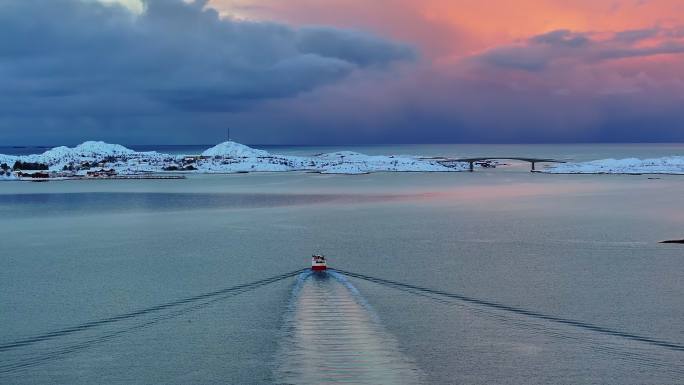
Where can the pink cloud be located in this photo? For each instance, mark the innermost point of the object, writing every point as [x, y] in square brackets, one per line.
[531, 70]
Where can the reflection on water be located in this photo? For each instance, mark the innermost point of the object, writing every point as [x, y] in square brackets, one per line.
[512, 190]
[332, 336]
[23, 205]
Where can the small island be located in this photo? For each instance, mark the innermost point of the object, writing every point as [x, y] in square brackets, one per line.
[673, 165]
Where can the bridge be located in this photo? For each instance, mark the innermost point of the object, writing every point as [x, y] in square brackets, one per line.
[472, 161]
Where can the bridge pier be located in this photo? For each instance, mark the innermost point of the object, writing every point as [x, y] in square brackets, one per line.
[471, 161]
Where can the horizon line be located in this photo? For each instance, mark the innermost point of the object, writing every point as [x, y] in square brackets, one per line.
[340, 145]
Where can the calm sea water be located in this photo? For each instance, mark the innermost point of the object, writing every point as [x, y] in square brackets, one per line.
[497, 276]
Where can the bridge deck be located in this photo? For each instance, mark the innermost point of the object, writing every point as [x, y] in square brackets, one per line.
[472, 161]
[524, 159]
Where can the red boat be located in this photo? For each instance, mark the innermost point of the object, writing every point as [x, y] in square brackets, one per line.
[318, 263]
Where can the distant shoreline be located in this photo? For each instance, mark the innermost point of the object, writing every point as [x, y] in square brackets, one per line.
[99, 160]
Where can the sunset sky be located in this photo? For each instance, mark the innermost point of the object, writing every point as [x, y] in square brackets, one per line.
[342, 71]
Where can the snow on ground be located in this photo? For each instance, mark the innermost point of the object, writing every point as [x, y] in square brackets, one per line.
[232, 157]
[227, 157]
[234, 150]
[7, 176]
[83, 152]
[665, 165]
[88, 152]
[7, 159]
[347, 162]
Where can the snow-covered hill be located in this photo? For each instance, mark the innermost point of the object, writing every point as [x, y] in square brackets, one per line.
[235, 150]
[665, 165]
[232, 157]
[90, 151]
[227, 157]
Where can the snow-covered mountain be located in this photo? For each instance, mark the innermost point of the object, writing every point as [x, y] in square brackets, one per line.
[665, 165]
[227, 157]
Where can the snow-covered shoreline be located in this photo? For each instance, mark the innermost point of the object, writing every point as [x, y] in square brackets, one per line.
[673, 165]
[99, 159]
[103, 160]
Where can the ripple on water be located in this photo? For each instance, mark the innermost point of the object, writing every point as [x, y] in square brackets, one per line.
[331, 336]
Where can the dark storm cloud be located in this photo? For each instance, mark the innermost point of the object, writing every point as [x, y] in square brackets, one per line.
[472, 110]
[64, 59]
[634, 35]
[561, 37]
[539, 52]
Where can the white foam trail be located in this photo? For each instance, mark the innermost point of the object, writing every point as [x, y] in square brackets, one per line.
[332, 336]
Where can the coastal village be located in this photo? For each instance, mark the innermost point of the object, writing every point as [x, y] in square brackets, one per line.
[85, 170]
[42, 171]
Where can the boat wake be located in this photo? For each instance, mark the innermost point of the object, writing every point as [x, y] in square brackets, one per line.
[20, 354]
[648, 352]
[331, 335]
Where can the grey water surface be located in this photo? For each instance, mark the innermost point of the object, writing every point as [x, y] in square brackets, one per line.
[197, 281]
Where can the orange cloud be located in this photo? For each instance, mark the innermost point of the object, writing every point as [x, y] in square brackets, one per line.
[589, 70]
[460, 27]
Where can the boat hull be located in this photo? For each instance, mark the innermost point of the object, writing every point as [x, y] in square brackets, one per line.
[319, 268]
